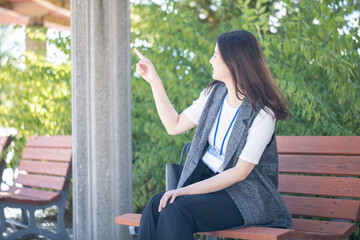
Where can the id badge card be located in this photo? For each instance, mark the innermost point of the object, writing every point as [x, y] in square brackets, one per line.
[213, 159]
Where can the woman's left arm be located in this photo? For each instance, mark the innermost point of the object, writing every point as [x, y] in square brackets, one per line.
[216, 183]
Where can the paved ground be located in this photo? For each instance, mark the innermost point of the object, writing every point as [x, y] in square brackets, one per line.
[43, 221]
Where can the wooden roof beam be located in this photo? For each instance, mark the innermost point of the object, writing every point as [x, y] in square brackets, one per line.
[8, 16]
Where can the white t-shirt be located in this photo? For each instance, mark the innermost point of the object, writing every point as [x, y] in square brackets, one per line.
[259, 136]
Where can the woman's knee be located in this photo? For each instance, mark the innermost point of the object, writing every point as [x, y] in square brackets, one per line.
[157, 197]
[170, 210]
[176, 214]
[155, 200]
[175, 208]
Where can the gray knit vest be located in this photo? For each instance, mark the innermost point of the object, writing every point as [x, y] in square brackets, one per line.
[256, 197]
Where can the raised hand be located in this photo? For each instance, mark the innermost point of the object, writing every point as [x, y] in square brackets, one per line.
[173, 122]
[145, 68]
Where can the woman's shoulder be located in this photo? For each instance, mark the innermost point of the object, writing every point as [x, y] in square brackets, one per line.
[206, 92]
[267, 113]
[214, 88]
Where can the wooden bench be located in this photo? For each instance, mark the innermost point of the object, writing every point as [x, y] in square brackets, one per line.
[319, 180]
[4, 143]
[43, 181]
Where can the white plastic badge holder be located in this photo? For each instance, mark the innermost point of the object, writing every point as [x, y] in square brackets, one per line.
[213, 159]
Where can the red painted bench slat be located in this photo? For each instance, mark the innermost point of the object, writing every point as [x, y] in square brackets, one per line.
[323, 207]
[329, 165]
[340, 229]
[49, 154]
[258, 233]
[334, 145]
[320, 185]
[129, 219]
[25, 199]
[49, 168]
[28, 195]
[307, 235]
[50, 142]
[41, 181]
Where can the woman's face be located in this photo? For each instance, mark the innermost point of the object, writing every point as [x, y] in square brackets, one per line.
[221, 71]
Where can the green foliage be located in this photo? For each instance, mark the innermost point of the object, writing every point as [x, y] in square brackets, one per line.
[35, 33]
[35, 96]
[317, 68]
[314, 65]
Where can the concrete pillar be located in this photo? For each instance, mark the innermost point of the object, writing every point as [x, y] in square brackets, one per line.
[101, 108]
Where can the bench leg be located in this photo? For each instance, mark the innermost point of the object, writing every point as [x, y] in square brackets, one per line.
[2, 221]
[30, 229]
[24, 216]
[62, 233]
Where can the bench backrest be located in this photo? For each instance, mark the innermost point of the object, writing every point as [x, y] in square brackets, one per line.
[46, 163]
[324, 168]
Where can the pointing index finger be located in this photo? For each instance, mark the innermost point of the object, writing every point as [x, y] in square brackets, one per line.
[139, 54]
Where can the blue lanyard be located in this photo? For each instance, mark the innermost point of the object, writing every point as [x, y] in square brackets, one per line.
[217, 125]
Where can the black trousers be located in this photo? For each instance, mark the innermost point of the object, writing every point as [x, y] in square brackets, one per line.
[187, 215]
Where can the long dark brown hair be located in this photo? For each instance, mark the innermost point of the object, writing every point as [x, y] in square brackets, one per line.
[243, 55]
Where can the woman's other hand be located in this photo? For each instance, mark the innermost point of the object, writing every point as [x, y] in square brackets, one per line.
[172, 194]
[145, 68]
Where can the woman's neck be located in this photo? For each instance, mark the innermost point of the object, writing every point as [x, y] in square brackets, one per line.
[232, 99]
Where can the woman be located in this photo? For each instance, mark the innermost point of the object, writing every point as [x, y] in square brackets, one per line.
[231, 172]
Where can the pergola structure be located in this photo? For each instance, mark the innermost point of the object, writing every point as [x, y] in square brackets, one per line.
[44, 13]
[101, 105]
[36, 13]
